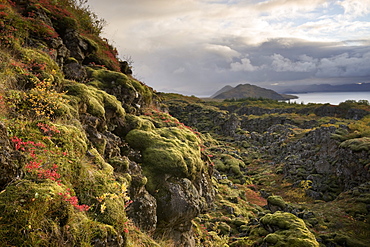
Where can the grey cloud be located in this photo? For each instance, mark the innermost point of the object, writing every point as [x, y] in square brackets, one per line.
[244, 65]
[345, 65]
[198, 46]
[280, 63]
[206, 70]
[222, 50]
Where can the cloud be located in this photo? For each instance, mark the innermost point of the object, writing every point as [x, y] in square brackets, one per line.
[345, 65]
[355, 8]
[179, 70]
[198, 46]
[285, 6]
[342, 65]
[222, 50]
[280, 64]
[244, 65]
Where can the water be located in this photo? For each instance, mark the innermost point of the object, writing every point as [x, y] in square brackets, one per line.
[333, 98]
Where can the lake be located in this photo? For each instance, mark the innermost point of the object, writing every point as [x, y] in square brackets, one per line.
[333, 98]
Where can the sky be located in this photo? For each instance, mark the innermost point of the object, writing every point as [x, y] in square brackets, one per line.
[196, 47]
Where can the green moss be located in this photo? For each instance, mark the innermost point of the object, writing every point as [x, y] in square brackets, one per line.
[272, 238]
[71, 138]
[112, 79]
[93, 46]
[65, 110]
[114, 212]
[97, 102]
[344, 240]
[219, 165]
[139, 123]
[40, 63]
[357, 209]
[168, 150]
[232, 165]
[168, 160]
[239, 222]
[71, 60]
[224, 228]
[37, 215]
[290, 230]
[276, 201]
[120, 164]
[141, 139]
[66, 23]
[242, 242]
[86, 231]
[357, 144]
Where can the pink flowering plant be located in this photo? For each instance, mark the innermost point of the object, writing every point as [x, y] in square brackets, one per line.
[42, 161]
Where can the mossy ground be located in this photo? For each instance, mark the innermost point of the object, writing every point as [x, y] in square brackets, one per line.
[66, 194]
[239, 203]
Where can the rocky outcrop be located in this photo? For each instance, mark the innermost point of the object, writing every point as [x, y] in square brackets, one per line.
[322, 111]
[316, 157]
[308, 151]
[260, 126]
[205, 119]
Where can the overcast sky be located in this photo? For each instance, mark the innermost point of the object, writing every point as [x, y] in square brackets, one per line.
[196, 47]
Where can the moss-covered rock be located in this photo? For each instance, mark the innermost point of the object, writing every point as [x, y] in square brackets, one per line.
[133, 93]
[276, 203]
[96, 102]
[168, 150]
[357, 144]
[287, 229]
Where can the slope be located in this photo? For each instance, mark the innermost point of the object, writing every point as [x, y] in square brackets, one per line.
[249, 91]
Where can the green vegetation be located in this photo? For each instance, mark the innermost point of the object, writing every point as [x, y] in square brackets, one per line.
[292, 230]
[245, 171]
[78, 155]
[65, 192]
[97, 102]
[171, 150]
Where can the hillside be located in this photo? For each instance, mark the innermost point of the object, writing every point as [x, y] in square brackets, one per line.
[86, 159]
[249, 91]
[91, 156]
[222, 90]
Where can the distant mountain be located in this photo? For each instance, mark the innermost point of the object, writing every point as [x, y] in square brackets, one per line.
[355, 87]
[249, 91]
[222, 90]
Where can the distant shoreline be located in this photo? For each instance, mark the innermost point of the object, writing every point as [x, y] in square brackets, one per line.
[334, 98]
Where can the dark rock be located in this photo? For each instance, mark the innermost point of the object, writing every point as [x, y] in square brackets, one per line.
[79, 47]
[125, 68]
[356, 114]
[179, 200]
[74, 71]
[143, 211]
